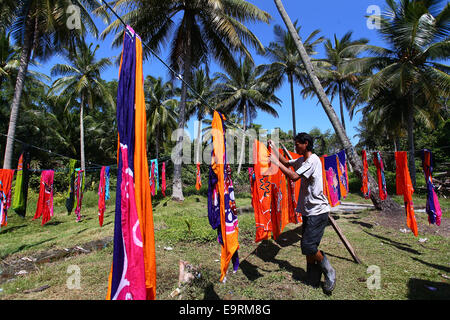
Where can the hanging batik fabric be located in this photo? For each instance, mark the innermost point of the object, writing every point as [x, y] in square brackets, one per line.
[198, 181]
[6, 177]
[343, 174]
[79, 188]
[330, 166]
[155, 180]
[19, 203]
[221, 206]
[261, 196]
[152, 178]
[107, 195]
[404, 187]
[378, 161]
[101, 196]
[133, 271]
[45, 202]
[365, 189]
[433, 207]
[163, 179]
[70, 200]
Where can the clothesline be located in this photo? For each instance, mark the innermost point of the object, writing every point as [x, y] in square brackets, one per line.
[65, 169]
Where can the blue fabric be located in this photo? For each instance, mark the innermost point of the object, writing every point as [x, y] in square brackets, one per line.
[125, 125]
[107, 195]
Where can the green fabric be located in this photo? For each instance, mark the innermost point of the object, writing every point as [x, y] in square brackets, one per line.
[18, 203]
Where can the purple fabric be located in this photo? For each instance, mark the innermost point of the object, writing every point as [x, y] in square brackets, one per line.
[125, 121]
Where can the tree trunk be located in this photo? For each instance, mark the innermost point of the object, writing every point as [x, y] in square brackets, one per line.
[388, 204]
[241, 157]
[341, 105]
[291, 82]
[82, 155]
[177, 190]
[199, 141]
[412, 164]
[20, 81]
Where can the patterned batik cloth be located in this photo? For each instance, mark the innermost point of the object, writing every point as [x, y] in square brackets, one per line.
[6, 177]
[343, 174]
[365, 189]
[45, 202]
[433, 208]
[107, 195]
[70, 200]
[404, 187]
[152, 178]
[133, 271]
[221, 206]
[330, 166]
[155, 180]
[198, 181]
[378, 161]
[101, 196]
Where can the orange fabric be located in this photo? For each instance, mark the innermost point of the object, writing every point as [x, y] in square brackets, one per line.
[261, 193]
[341, 176]
[141, 179]
[198, 182]
[405, 188]
[230, 240]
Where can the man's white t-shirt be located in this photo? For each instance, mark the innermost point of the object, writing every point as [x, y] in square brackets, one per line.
[311, 200]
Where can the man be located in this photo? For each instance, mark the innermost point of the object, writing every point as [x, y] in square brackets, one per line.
[312, 204]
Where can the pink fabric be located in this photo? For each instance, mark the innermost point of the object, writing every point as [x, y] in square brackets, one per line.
[332, 186]
[132, 283]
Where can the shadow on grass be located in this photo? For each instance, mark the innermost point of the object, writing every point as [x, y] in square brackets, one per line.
[398, 245]
[427, 290]
[210, 294]
[6, 230]
[432, 265]
[27, 246]
[267, 251]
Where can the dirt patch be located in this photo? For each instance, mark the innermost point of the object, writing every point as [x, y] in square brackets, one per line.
[14, 266]
[397, 221]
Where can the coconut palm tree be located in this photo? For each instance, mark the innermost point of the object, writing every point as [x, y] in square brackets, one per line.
[286, 60]
[246, 90]
[410, 67]
[204, 29]
[200, 104]
[40, 28]
[81, 79]
[161, 114]
[336, 77]
[354, 159]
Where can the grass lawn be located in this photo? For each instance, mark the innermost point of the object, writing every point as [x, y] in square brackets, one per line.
[396, 265]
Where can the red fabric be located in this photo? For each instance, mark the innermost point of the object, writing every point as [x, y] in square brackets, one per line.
[365, 189]
[101, 198]
[45, 202]
[163, 177]
[6, 177]
[405, 188]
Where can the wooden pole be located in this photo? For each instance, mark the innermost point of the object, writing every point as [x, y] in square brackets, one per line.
[336, 228]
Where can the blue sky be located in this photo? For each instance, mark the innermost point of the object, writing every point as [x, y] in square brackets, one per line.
[330, 16]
